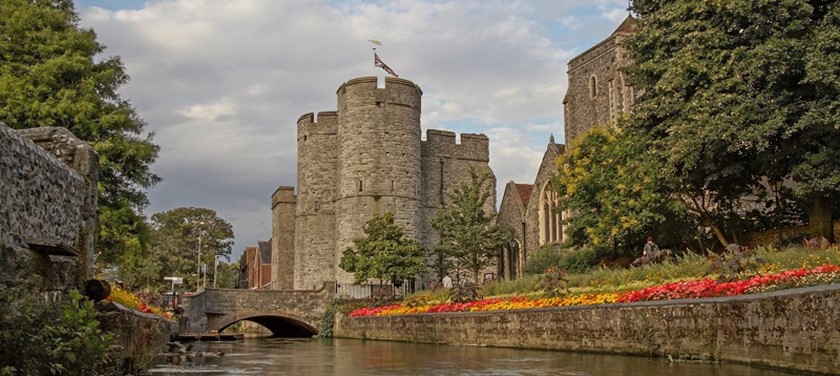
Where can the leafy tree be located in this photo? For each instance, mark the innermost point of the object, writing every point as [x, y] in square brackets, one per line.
[50, 76]
[227, 274]
[440, 261]
[175, 241]
[730, 99]
[467, 229]
[609, 179]
[818, 173]
[384, 253]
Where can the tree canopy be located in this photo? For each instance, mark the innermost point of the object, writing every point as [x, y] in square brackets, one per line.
[735, 92]
[51, 74]
[609, 179]
[384, 253]
[467, 231]
[174, 246]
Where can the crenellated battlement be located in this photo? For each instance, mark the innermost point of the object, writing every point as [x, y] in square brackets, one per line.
[326, 122]
[363, 91]
[443, 144]
[365, 158]
[283, 194]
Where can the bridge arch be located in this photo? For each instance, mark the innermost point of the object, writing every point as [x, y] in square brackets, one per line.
[281, 324]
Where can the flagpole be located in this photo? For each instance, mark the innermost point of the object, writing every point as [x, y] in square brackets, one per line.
[375, 43]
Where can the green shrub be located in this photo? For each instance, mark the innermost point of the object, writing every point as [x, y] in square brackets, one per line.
[579, 260]
[521, 286]
[554, 282]
[543, 258]
[39, 337]
[552, 256]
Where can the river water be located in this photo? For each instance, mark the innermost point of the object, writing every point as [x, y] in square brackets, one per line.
[346, 357]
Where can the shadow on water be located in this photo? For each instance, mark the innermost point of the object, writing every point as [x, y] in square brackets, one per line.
[340, 357]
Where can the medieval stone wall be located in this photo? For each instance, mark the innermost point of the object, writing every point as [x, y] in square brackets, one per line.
[446, 165]
[598, 91]
[379, 159]
[283, 206]
[794, 329]
[48, 185]
[548, 168]
[315, 215]
[512, 216]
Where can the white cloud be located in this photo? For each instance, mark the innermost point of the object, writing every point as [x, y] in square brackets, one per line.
[210, 111]
[569, 22]
[614, 14]
[222, 83]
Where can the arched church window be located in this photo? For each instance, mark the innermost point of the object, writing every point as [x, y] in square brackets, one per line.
[551, 220]
[593, 86]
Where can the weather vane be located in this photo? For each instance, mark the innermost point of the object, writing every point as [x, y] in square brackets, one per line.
[377, 62]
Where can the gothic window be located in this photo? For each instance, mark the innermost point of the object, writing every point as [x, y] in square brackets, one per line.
[593, 86]
[551, 221]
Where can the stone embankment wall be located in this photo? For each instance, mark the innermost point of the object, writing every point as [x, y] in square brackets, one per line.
[141, 337]
[795, 329]
[49, 186]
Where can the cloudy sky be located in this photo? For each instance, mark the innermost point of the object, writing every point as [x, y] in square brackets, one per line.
[221, 83]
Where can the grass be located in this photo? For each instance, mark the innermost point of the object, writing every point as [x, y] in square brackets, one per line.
[683, 267]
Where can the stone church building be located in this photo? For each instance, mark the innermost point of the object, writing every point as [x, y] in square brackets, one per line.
[598, 94]
[364, 159]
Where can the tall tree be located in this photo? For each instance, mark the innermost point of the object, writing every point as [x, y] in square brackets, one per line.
[725, 97]
[227, 274]
[384, 253]
[467, 230]
[51, 75]
[611, 181]
[178, 236]
[818, 170]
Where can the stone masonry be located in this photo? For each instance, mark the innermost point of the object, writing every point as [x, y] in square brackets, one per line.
[598, 94]
[598, 90]
[48, 210]
[364, 159]
[525, 215]
[295, 313]
[795, 329]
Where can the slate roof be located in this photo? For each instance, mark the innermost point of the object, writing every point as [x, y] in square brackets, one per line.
[265, 251]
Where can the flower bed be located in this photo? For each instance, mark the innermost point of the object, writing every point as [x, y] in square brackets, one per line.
[702, 288]
[706, 288]
[131, 301]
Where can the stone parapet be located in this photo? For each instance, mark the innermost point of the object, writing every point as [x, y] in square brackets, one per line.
[796, 329]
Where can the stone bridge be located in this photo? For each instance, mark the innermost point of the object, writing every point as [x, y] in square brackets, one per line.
[286, 313]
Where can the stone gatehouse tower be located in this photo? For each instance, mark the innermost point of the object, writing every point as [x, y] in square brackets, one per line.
[364, 159]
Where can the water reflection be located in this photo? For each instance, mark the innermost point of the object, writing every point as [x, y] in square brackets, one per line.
[273, 356]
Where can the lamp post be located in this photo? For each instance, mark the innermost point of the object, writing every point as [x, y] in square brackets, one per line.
[215, 269]
[198, 263]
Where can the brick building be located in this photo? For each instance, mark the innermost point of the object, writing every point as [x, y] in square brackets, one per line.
[255, 267]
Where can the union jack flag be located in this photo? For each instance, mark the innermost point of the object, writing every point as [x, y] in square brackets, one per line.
[377, 62]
